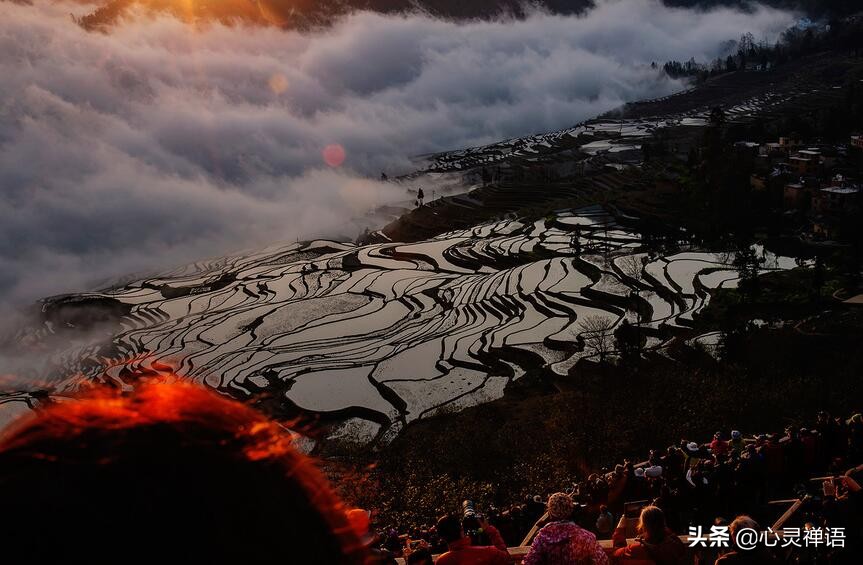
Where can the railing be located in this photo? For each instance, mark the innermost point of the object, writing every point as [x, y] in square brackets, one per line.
[519, 552]
[780, 522]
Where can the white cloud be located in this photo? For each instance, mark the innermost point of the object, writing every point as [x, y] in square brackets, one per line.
[158, 143]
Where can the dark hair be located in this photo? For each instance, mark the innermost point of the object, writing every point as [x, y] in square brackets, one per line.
[742, 522]
[651, 524]
[420, 556]
[449, 528]
[471, 526]
[171, 470]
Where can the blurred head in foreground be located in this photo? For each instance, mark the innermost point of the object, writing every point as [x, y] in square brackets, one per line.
[172, 473]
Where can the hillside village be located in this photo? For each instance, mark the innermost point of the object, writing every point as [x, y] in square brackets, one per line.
[816, 185]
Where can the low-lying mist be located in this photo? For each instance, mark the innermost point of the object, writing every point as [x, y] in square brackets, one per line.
[159, 142]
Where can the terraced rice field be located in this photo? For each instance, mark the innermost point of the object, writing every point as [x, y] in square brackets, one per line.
[795, 88]
[379, 335]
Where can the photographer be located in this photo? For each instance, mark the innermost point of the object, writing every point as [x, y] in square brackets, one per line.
[477, 527]
[461, 552]
[655, 543]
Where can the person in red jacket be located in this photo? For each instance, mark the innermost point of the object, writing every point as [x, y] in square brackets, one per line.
[481, 533]
[461, 551]
[719, 447]
[655, 544]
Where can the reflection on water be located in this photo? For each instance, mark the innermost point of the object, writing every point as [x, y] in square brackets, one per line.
[405, 330]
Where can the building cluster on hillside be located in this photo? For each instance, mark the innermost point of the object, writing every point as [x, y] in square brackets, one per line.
[814, 182]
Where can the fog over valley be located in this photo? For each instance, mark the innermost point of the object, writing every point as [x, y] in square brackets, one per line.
[157, 142]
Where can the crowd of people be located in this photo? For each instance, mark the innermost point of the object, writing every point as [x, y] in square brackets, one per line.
[695, 484]
[175, 472]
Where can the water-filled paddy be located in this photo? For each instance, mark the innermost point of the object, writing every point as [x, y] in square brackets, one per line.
[402, 331]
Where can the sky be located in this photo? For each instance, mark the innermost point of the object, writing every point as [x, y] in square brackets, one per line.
[158, 143]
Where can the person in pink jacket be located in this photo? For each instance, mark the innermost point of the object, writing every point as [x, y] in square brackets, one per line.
[561, 541]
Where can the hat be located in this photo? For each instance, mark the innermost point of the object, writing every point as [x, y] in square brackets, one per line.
[653, 471]
[560, 506]
[735, 434]
[639, 472]
[691, 446]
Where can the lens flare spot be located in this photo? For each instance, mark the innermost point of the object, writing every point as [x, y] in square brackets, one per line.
[278, 83]
[333, 154]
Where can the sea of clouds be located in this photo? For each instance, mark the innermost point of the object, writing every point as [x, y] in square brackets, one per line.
[157, 142]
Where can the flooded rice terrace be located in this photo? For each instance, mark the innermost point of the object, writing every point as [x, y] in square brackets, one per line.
[376, 336]
[621, 138]
[379, 335]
